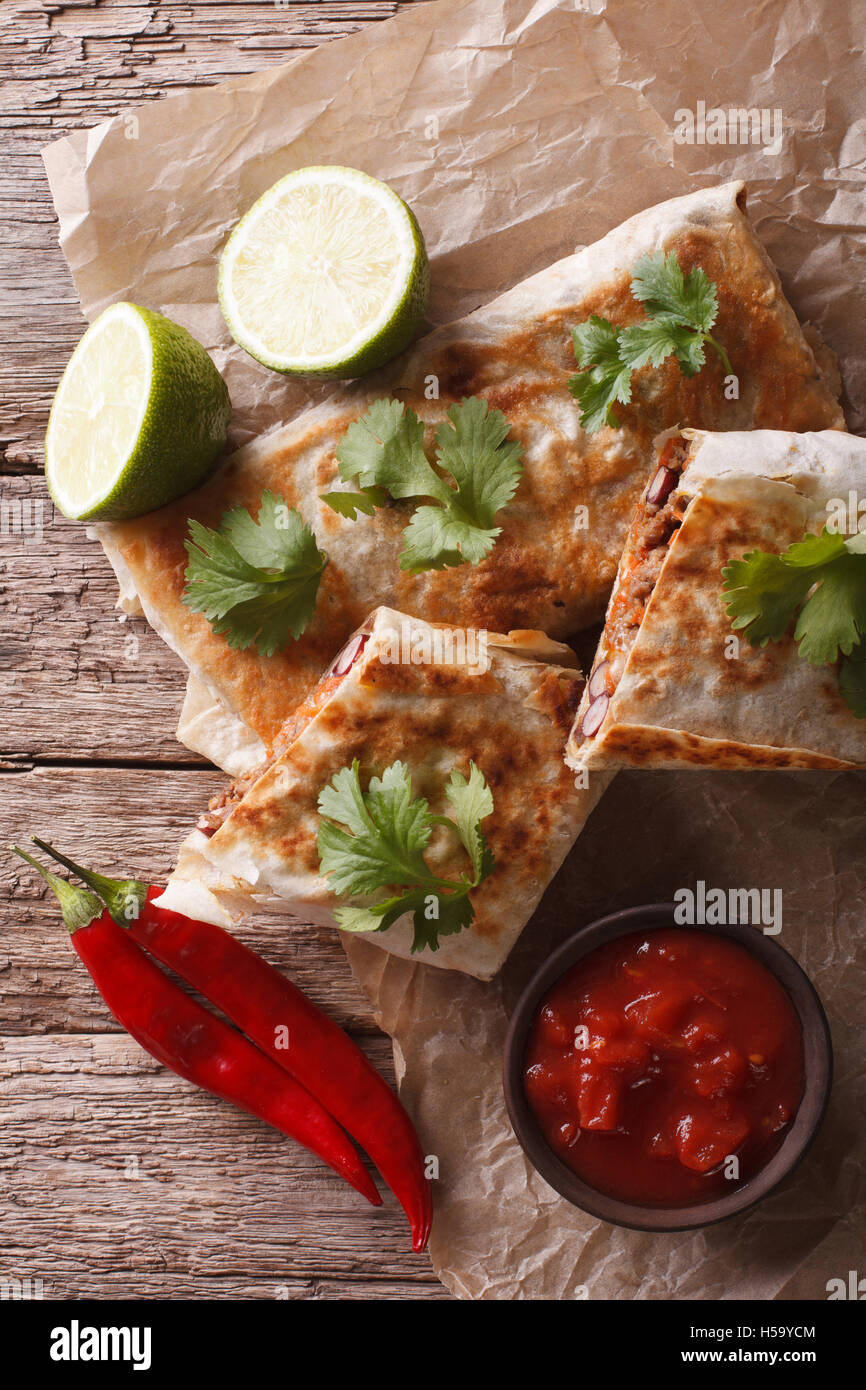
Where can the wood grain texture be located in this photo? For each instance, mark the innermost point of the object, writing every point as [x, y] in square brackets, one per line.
[220, 1207]
[123, 820]
[78, 679]
[120, 1179]
[66, 66]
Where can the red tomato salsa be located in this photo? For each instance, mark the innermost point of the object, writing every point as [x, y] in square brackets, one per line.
[656, 1058]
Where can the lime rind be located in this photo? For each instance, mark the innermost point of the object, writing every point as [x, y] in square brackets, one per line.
[171, 443]
[376, 339]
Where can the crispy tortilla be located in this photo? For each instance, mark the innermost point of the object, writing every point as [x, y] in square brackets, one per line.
[554, 563]
[509, 714]
[692, 692]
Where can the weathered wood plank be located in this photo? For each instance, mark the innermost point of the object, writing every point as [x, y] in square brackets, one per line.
[120, 1180]
[79, 1283]
[64, 66]
[124, 821]
[78, 679]
[222, 1207]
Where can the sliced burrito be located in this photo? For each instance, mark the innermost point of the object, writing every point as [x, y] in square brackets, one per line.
[554, 562]
[677, 681]
[438, 700]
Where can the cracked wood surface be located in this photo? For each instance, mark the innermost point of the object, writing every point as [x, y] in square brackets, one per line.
[65, 66]
[78, 679]
[157, 1188]
[118, 1179]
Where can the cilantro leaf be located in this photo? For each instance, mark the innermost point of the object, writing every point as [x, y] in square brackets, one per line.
[433, 916]
[255, 581]
[657, 339]
[389, 831]
[473, 446]
[819, 581]
[384, 452]
[833, 620]
[765, 595]
[605, 378]
[432, 541]
[472, 800]
[658, 282]
[349, 504]
[382, 846]
[445, 915]
[814, 551]
[596, 344]
[680, 311]
[385, 449]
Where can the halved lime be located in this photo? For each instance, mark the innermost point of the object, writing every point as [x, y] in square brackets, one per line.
[326, 275]
[139, 416]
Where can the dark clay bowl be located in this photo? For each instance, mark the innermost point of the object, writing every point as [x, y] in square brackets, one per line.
[818, 1058]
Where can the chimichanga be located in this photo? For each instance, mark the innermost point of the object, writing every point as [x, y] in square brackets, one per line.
[554, 563]
[436, 699]
[673, 683]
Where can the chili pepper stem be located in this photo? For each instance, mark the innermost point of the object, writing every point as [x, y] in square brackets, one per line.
[79, 908]
[124, 898]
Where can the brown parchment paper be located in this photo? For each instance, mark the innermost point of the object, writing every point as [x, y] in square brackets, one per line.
[499, 1230]
[517, 131]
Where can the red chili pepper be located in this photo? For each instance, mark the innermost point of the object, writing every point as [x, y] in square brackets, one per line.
[284, 1023]
[189, 1040]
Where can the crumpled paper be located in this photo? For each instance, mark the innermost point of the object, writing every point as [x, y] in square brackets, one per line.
[500, 1231]
[518, 131]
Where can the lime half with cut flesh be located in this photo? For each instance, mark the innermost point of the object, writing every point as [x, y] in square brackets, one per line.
[326, 275]
[139, 416]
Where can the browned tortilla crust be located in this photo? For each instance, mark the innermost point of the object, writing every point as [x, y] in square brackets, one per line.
[510, 720]
[640, 746]
[696, 693]
[546, 571]
[432, 717]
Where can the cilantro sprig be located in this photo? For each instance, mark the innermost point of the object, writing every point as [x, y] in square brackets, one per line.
[382, 847]
[681, 310]
[255, 581]
[821, 582]
[384, 451]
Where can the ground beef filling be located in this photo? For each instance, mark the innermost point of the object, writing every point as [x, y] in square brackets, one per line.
[221, 806]
[660, 515]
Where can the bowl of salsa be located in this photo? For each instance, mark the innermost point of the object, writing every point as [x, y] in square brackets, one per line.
[666, 1077]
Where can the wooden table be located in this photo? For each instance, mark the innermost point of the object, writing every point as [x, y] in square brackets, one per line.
[118, 1179]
